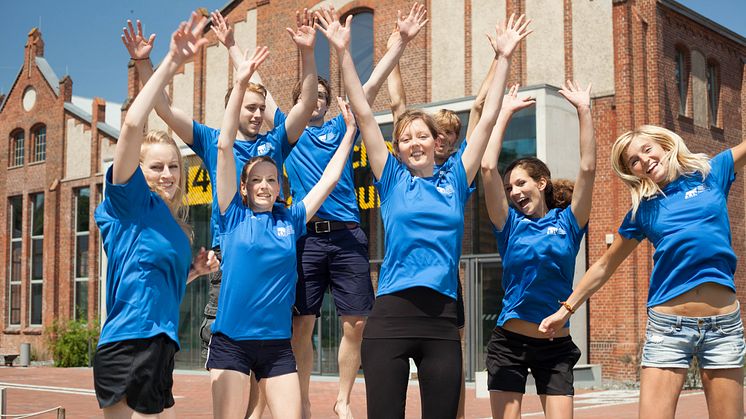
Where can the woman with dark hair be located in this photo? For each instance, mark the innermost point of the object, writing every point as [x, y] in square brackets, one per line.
[539, 225]
[252, 328]
[414, 315]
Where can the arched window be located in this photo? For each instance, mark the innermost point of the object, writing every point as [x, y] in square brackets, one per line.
[682, 77]
[321, 55]
[713, 91]
[39, 139]
[16, 148]
[361, 44]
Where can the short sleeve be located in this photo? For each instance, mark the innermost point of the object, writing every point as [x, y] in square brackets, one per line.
[233, 215]
[457, 173]
[279, 138]
[298, 214]
[570, 223]
[205, 140]
[722, 170]
[279, 118]
[503, 235]
[127, 200]
[340, 126]
[631, 229]
[392, 173]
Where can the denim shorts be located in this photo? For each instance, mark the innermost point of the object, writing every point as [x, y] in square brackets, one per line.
[672, 341]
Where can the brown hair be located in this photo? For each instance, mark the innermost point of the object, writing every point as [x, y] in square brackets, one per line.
[322, 81]
[446, 119]
[247, 168]
[178, 204]
[558, 193]
[252, 87]
[409, 116]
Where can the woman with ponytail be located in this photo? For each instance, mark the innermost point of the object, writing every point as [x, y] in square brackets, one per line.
[539, 224]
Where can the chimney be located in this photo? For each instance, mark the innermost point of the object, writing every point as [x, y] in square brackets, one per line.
[66, 89]
[98, 110]
[34, 43]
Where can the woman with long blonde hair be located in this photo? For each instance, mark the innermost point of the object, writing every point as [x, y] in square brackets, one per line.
[679, 203]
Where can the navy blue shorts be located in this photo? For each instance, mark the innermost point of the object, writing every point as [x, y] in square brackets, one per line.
[266, 358]
[336, 260]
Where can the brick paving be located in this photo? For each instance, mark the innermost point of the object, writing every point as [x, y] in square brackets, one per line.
[39, 388]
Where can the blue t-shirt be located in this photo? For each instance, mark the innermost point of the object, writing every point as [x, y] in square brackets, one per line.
[424, 223]
[538, 257]
[259, 271]
[439, 169]
[689, 227]
[205, 145]
[148, 262]
[306, 164]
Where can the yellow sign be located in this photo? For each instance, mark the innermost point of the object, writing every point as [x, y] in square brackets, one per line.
[198, 188]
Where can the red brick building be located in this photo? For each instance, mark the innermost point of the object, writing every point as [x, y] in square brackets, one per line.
[50, 157]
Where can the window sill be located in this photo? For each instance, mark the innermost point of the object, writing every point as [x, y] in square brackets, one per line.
[33, 330]
[717, 130]
[12, 330]
[15, 167]
[686, 119]
[36, 163]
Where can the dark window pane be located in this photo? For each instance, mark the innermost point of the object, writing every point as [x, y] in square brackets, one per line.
[37, 259]
[81, 207]
[81, 256]
[37, 216]
[81, 300]
[361, 44]
[16, 214]
[15, 304]
[35, 304]
[15, 261]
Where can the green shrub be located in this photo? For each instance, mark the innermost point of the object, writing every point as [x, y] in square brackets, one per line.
[72, 343]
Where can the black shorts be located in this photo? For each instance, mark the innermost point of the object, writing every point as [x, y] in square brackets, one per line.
[460, 314]
[266, 358]
[336, 260]
[510, 355]
[140, 370]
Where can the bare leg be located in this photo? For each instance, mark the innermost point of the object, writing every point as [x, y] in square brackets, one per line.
[556, 407]
[349, 362]
[659, 391]
[122, 411]
[303, 352]
[506, 404]
[724, 392]
[257, 402]
[283, 395]
[230, 393]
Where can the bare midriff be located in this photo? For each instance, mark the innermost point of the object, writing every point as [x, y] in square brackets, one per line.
[525, 328]
[708, 299]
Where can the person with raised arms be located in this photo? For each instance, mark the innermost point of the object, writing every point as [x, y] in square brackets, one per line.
[143, 227]
[414, 315]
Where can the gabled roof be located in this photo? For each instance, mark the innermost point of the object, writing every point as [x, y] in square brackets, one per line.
[48, 73]
[102, 126]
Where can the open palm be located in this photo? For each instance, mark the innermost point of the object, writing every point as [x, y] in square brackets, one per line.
[512, 103]
[410, 26]
[576, 95]
[250, 64]
[337, 33]
[137, 46]
[509, 35]
[187, 40]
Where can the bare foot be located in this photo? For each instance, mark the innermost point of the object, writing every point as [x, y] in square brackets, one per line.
[343, 411]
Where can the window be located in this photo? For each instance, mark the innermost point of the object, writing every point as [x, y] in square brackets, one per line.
[681, 80]
[15, 225]
[713, 92]
[39, 136]
[36, 210]
[16, 149]
[82, 201]
[361, 44]
[321, 55]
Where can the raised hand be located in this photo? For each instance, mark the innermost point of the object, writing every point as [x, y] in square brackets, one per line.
[138, 47]
[249, 65]
[203, 263]
[512, 103]
[579, 97]
[337, 33]
[349, 118]
[304, 34]
[410, 26]
[187, 40]
[509, 35]
[222, 30]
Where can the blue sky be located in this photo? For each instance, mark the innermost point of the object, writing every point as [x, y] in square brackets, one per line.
[82, 37]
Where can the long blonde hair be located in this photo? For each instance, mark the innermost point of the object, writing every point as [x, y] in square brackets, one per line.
[678, 161]
[178, 205]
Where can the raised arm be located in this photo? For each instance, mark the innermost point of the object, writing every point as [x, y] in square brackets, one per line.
[583, 190]
[475, 113]
[226, 171]
[317, 195]
[224, 32]
[739, 155]
[592, 281]
[494, 190]
[507, 39]
[408, 27]
[304, 37]
[139, 49]
[339, 39]
[397, 96]
[184, 43]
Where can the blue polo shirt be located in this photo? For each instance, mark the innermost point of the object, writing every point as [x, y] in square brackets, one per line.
[306, 163]
[424, 223]
[205, 145]
[259, 271]
[689, 227]
[148, 262]
[538, 258]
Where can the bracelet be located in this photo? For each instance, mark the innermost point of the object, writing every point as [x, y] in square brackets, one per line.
[567, 306]
[140, 59]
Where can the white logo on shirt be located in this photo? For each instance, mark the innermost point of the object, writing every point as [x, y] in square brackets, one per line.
[285, 231]
[327, 138]
[694, 192]
[447, 191]
[263, 149]
[554, 231]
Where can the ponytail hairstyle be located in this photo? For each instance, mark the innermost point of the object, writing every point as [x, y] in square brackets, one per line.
[678, 161]
[245, 176]
[178, 204]
[557, 193]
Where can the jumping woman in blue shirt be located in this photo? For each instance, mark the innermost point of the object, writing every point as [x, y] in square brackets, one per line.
[147, 242]
[538, 229]
[258, 236]
[679, 203]
[414, 315]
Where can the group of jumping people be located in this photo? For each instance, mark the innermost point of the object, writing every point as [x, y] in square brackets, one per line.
[270, 264]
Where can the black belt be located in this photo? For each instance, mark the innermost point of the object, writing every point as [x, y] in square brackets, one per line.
[325, 226]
